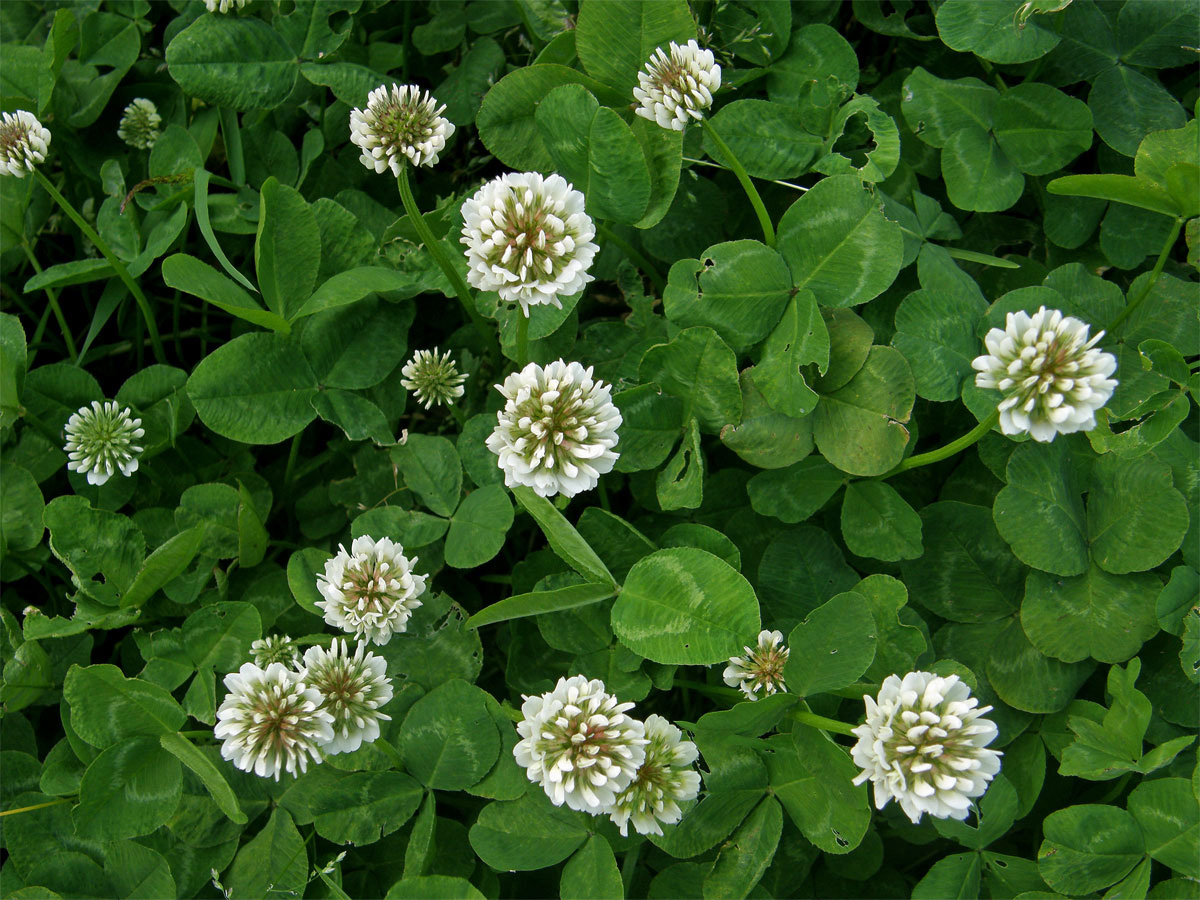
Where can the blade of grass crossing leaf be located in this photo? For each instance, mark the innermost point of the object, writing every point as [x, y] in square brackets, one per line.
[564, 540]
[332, 885]
[537, 602]
[201, 177]
[114, 293]
[985, 258]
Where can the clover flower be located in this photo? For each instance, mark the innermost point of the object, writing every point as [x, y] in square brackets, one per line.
[354, 687]
[271, 721]
[578, 744]
[661, 783]
[371, 591]
[924, 744]
[141, 124]
[528, 238]
[761, 667]
[399, 124]
[100, 441]
[278, 648]
[677, 86]
[1052, 376]
[557, 429]
[23, 143]
[223, 6]
[433, 378]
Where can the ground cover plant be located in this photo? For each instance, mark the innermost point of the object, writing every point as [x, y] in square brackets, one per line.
[615, 448]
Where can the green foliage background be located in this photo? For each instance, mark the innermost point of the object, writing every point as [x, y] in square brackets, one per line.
[928, 168]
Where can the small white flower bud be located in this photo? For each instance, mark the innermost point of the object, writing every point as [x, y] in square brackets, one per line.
[434, 379]
[761, 668]
[677, 86]
[141, 125]
[100, 441]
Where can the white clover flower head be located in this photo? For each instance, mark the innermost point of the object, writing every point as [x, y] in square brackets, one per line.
[557, 429]
[223, 6]
[277, 648]
[354, 687]
[578, 744]
[100, 441]
[1052, 376]
[528, 238]
[433, 378]
[271, 721]
[924, 744]
[23, 143]
[677, 86]
[661, 783]
[371, 591]
[761, 668]
[141, 125]
[399, 124]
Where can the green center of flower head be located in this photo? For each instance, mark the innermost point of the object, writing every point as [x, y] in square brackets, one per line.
[766, 667]
[12, 134]
[554, 422]
[368, 586]
[532, 237]
[931, 743]
[344, 688]
[273, 721]
[404, 123]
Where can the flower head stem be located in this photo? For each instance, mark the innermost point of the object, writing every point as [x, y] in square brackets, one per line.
[443, 261]
[119, 267]
[635, 256]
[522, 338]
[54, 305]
[1152, 280]
[739, 170]
[955, 446]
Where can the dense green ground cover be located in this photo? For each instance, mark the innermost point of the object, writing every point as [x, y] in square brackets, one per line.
[786, 299]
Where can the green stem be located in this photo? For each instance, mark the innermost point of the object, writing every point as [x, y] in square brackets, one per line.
[522, 338]
[635, 256]
[391, 751]
[957, 446]
[739, 170]
[53, 297]
[629, 866]
[717, 692]
[993, 74]
[119, 267]
[825, 724]
[439, 256]
[13, 812]
[854, 691]
[289, 473]
[1153, 280]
